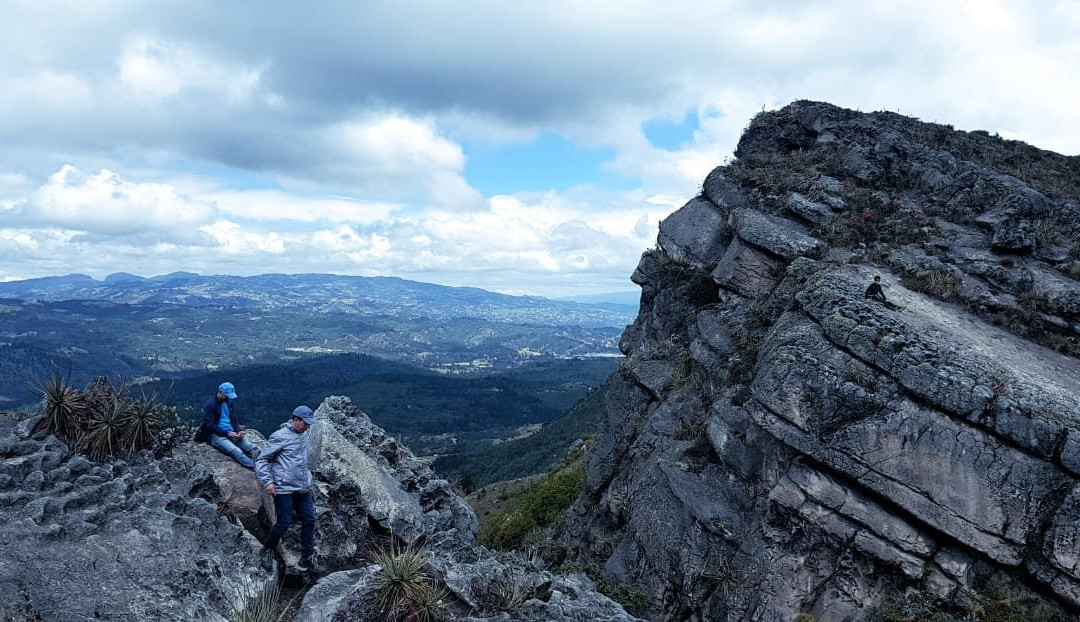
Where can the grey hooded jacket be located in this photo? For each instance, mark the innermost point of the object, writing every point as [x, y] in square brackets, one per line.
[284, 461]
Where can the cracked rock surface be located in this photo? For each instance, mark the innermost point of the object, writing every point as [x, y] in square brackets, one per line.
[175, 537]
[776, 445]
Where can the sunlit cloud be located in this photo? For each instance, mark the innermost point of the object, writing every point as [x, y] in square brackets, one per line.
[210, 138]
[105, 203]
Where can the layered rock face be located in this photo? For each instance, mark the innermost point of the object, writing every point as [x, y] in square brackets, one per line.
[177, 537]
[775, 444]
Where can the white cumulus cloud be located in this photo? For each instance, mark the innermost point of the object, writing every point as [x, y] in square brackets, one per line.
[105, 203]
[162, 69]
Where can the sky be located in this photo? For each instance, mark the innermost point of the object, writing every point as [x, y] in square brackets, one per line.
[520, 147]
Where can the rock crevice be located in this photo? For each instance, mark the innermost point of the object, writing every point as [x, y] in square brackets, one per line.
[817, 453]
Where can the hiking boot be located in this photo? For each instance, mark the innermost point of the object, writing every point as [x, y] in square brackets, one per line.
[310, 563]
[266, 559]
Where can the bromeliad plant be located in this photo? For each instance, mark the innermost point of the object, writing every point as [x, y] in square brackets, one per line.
[64, 408]
[406, 587]
[100, 421]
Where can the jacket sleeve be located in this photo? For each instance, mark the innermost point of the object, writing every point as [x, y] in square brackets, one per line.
[267, 455]
[209, 422]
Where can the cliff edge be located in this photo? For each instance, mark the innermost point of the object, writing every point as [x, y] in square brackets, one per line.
[777, 445]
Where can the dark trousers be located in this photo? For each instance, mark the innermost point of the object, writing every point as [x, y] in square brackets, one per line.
[286, 504]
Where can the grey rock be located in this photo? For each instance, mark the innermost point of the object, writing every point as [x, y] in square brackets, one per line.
[695, 233]
[783, 238]
[333, 592]
[176, 538]
[833, 454]
[746, 271]
[809, 210]
[723, 193]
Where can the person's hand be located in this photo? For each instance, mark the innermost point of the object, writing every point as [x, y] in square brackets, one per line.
[270, 490]
[234, 435]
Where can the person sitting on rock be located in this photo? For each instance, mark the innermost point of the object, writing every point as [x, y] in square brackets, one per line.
[874, 292]
[282, 470]
[222, 428]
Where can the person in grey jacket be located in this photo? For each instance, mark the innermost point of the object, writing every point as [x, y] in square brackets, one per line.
[282, 470]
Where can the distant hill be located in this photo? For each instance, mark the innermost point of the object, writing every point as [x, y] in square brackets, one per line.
[182, 324]
[323, 293]
[482, 463]
[629, 299]
[433, 412]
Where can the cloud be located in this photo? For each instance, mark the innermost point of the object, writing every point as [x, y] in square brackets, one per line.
[160, 70]
[338, 138]
[105, 204]
[394, 156]
[277, 205]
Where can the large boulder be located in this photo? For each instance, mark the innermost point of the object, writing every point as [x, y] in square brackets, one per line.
[177, 537]
[792, 450]
[124, 540]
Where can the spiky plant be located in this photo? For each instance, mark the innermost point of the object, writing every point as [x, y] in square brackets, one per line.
[142, 420]
[65, 408]
[403, 575]
[509, 593]
[431, 603]
[265, 605]
[105, 430]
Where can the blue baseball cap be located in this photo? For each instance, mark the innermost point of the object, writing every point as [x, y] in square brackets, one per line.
[228, 389]
[303, 412]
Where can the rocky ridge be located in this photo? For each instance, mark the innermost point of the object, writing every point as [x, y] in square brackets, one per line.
[776, 445]
[176, 537]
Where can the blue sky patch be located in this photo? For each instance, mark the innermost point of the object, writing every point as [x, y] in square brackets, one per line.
[548, 163]
[671, 135]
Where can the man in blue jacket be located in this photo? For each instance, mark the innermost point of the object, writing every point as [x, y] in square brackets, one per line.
[282, 470]
[222, 428]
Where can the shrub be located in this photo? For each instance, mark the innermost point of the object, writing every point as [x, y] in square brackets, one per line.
[105, 430]
[872, 219]
[430, 603]
[537, 506]
[100, 420]
[405, 586]
[142, 421]
[503, 593]
[64, 409]
[265, 606]
[940, 284]
[634, 599]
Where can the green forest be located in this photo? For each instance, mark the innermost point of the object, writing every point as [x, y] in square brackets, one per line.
[412, 403]
[482, 463]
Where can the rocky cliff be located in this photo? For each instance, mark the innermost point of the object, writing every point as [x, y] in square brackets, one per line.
[777, 447]
[176, 537]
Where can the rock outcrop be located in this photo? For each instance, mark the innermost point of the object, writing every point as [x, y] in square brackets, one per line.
[177, 537]
[775, 444]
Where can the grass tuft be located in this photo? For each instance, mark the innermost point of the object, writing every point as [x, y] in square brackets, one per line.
[267, 605]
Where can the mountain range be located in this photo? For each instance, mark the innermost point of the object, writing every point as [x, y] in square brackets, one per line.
[184, 324]
[323, 293]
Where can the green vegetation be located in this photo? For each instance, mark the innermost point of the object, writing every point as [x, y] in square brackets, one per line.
[504, 592]
[267, 605]
[101, 420]
[482, 463]
[870, 218]
[538, 506]
[938, 283]
[992, 606]
[634, 599]
[405, 400]
[406, 588]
